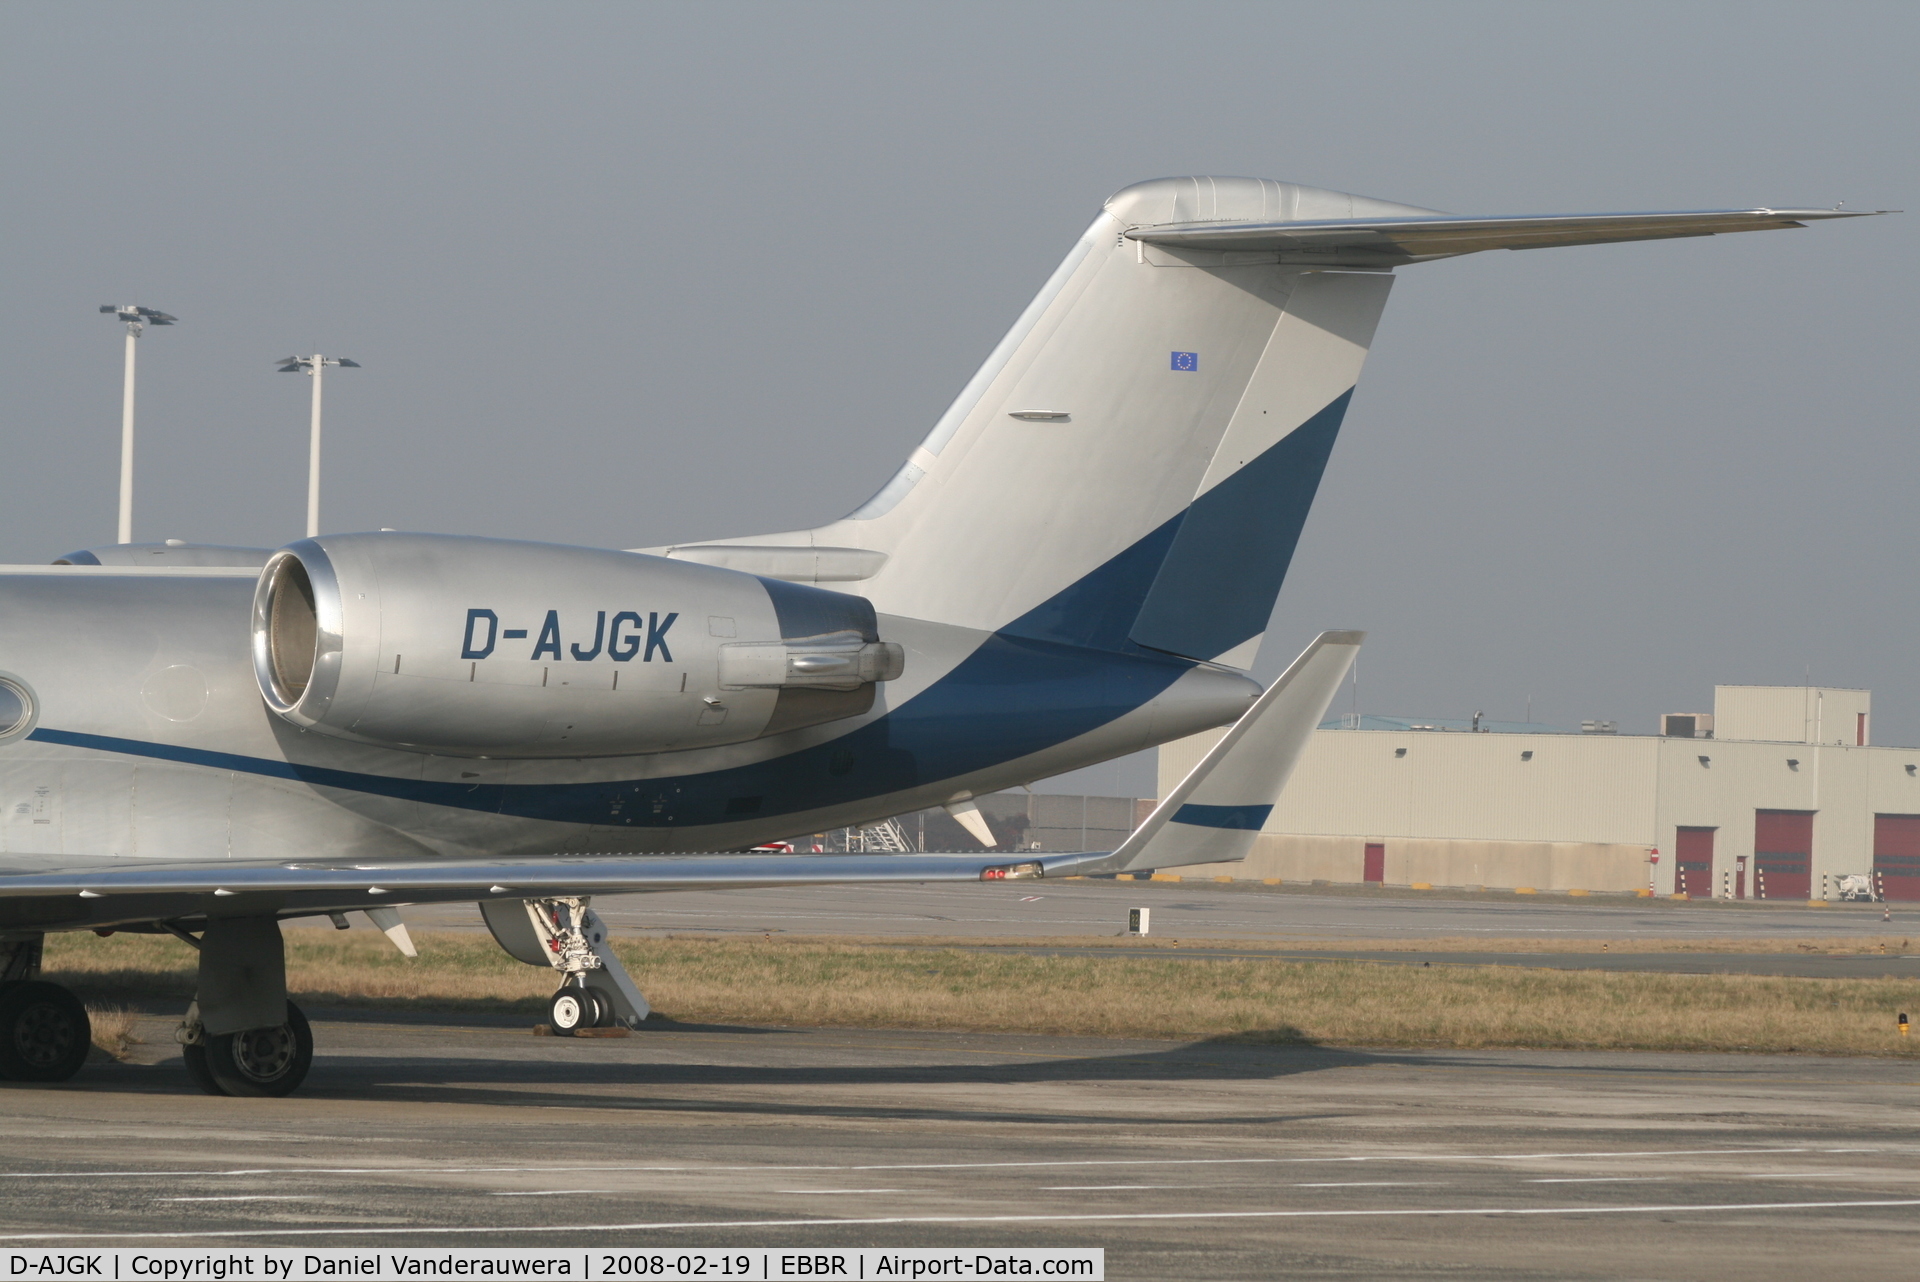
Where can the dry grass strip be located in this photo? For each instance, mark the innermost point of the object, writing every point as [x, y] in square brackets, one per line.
[784, 982]
[1834, 946]
[113, 1030]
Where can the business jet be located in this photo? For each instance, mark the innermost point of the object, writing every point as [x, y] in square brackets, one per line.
[1078, 562]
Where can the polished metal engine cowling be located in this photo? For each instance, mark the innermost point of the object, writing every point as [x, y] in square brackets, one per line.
[491, 647]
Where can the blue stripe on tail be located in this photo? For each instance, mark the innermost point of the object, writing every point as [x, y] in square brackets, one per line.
[1245, 818]
[1218, 583]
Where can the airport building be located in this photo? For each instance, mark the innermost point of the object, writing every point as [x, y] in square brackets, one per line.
[1778, 794]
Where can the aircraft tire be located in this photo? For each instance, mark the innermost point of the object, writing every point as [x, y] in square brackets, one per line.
[197, 1070]
[44, 1033]
[574, 1008]
[257, 1062]
[607, 1016]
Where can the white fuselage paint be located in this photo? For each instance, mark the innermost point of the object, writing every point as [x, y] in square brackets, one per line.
[162, 660]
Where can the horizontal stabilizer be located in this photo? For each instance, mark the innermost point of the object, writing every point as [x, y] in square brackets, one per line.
[1219, 808]
[1387, 242]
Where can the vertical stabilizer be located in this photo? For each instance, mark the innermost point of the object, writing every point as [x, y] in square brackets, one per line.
[1219, 579]
[1134, 462]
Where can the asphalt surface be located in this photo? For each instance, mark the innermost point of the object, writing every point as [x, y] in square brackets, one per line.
[1183, 1161]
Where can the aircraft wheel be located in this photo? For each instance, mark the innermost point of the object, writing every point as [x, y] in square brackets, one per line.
[604, 1000]
[197, 1070]
[44, 1033]
[572, 1009]
[256, 1061]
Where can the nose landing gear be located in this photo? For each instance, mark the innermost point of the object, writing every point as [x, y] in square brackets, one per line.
[581, 1004]
[572, 1008]
[595, 989]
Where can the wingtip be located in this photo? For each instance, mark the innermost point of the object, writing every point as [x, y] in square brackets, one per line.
[1838, 211]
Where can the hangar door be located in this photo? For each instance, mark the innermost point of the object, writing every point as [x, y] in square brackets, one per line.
[1896, 856]
[1693, 862]
[1783, 854]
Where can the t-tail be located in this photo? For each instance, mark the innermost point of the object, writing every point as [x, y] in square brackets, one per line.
[1133, 465]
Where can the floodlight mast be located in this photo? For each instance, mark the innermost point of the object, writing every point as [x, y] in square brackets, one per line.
[137, 318]
[314, 367]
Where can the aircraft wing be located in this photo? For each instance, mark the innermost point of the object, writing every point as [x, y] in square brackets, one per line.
[1214, 815]
[1391, 241]
[103, 895]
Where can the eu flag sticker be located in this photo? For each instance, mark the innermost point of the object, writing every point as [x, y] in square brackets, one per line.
[1186, 360]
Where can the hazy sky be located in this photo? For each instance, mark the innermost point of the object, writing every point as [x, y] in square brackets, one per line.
[626, 274]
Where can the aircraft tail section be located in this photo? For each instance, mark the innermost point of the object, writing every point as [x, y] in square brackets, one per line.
[1134, 462]
[1216, 586]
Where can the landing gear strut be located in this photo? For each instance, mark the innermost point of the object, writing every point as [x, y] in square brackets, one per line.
[595, 990]
[242, 1036]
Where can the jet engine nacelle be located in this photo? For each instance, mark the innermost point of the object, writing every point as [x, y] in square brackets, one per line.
[486, 647]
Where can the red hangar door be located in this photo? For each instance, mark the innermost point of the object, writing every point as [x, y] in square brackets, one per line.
[1783, 854]
[1373, 863]
[1896, 856]
[1693, 862]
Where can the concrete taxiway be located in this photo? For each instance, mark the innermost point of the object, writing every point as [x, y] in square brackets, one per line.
[1213, 921]
[1183, 1161]
[1201, 910]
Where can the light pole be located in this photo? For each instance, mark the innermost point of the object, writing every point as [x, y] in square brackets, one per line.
[137, 319]
[314, 367]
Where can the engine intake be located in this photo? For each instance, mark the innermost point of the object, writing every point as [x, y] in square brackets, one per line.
[490, 647]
